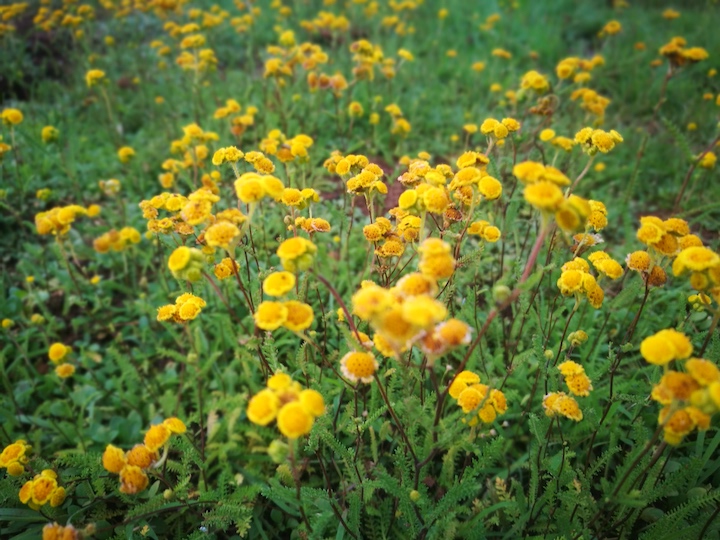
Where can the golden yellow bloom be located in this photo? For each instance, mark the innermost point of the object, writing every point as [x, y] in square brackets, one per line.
[65, 371]
[358, 366]
[279, 283]
[222, 234]
[270, 315]
[57, 352]
[11, 117]
[125, 154]
[665, 346]
[141, 456]
[544, 196]
[133, 480]
[263, 407]
[113, 459]
[313, 402]
[294, 420]
[562, 404]
[49, 134]
[299, 316]
[156, 437]
[14, 457]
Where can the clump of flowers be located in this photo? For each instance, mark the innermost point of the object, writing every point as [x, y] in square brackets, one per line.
[41, 490]
[284, 400]
[559, 403]
[576, 280]
[58, 221]
[679, 55]
[485, 403]
[187, 307]
[117, 240]
[689, 397]
[14, 457]
[575, 378]
[55, 531]
[186, 263]
[132, 465]
[57, 353]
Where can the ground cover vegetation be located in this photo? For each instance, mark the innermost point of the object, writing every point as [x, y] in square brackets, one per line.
[359, 269]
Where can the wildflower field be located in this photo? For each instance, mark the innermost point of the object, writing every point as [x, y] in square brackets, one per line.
[359, 269]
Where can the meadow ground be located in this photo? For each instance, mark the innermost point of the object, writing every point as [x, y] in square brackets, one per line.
[359, 269]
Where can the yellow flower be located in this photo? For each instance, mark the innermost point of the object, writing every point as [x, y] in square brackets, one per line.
[175, 425]
[156, 437]
[263, 407]
[294, 420]
[57, 352]
[423, 311]
[544, 196]
[547, 134]
[221, 234]
[665, 346]
[49, 134]
[94, 76]
[65, 371]
[270, 315]
[296, 254]
[125, 154]
[299, 316]
[703, 371]
[695, 259]
[132, 480]
[358, 366]
[562, 404]
[313, 402]
[141, 456]
[14, 457]
[462, 380]
[11, 117]
[113, 459]
[279, 284]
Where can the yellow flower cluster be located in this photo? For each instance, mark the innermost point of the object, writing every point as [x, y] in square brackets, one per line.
[597, 140]
[543, 191]
[703, 266]
[41, 490]
[292, 314]
[57, 353]
[58, 220]
[591, 101]
[535, 81]
[186, 308]
[133, 464]
[285, 400]
[575, 378]
[499, 129]
[11, 117]
[54, 531]
[576, 280]
[117, 240]
[225, 268]
[296, 254]
[408, 313]
[287, 149]
[689, 398]
[578, 68]
[14, 457]
[559, 403]
[666, 238]
[485, 403]
[186, 263]
[679, 55]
